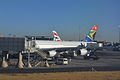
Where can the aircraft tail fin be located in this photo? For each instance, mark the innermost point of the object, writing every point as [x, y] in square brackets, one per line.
[91, 35]
[56, 36]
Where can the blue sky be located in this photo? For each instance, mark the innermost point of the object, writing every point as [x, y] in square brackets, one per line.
[67, 17]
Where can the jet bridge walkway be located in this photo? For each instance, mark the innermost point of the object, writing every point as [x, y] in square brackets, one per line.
[18, 45]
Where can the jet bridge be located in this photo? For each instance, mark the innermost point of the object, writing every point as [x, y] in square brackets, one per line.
[16, 44]
[12, 44]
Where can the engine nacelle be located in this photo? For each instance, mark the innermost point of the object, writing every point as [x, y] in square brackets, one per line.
[52, 53]
[83, 52]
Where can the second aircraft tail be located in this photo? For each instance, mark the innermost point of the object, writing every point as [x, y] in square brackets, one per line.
[91, 35]
[56, 36]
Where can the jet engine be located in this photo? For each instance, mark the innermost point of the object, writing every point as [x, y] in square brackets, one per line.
[83, 52]
[52, 53]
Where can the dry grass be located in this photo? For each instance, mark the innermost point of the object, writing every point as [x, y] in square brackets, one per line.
[64, 76]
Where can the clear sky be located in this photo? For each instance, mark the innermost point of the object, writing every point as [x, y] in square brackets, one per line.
[67, 17]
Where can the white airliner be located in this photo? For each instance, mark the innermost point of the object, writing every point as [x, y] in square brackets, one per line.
[52, 47]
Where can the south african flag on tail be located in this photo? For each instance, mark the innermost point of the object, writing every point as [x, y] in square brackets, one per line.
[91, 36]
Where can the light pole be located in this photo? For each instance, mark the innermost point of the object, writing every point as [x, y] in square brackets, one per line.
[119, 33]
[79, 33]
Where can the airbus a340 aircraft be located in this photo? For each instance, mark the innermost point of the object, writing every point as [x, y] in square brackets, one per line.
[52, 47]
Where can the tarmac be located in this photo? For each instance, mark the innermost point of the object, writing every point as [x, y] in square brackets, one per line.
[108, 61]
